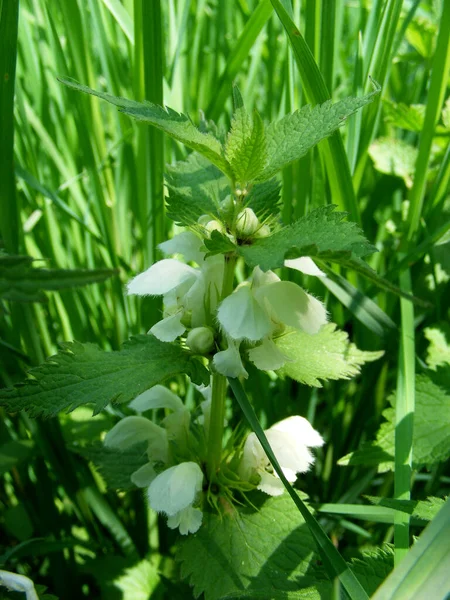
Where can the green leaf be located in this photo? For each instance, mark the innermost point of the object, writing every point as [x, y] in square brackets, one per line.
[431, 433]
[423, 573]
[140, 582]
[406, 117]
[241, 561]
[196, 187]
[394, 157]
[264, 199]
[246, 147]
[438, 352]
[295, 134]
[218, 243]
[115, 466]
[424, 510]
[324, 235]
[322, 356]
[322, 230]
[177, 125]
[373, 567]
[20, 282]
[85, 374]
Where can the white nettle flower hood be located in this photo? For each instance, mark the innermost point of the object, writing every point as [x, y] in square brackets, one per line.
[137, 429]
[259, 306]
[185, 289]
[290, 440]
[174, 491]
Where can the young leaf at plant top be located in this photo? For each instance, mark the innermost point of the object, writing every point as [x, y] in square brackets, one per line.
[294, 135]
[197, 188]
[177, 125]
[85, 374]
[246, 147]
[20, 282]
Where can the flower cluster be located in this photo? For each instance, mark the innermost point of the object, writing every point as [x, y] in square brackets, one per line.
[173, 477]
[223, 325]
[173, 481]
[255, 313]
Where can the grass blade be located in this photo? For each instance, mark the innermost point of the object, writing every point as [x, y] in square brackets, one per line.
[335, 564]
[424, 571]
[316, 91]
[9, 223]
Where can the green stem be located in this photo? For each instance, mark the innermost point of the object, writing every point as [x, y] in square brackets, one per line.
[219, 389]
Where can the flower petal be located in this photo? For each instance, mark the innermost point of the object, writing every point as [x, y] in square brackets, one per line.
[176, 488]
[143, 476]
[186, 243]
[168, 329]
[188, 520]
[305, 265]
[290, 451]
[270, 484]
[253, 458]
[241, 317]
[228, 362]
[267, 356]
[300, 428]
[288, 303]
[160, 278]
[132, 430]
[156, 397]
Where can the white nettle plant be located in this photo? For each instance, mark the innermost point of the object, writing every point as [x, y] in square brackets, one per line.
[224, 326]
[226, 195]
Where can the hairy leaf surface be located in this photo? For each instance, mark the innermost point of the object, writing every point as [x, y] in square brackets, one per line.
[268, 553]
[177, 125]
[322, 356]
[295, 134]
[85, 374]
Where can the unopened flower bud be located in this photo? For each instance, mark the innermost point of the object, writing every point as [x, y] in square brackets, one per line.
[262, 232]
[247, 223]
[215, 226]
[200, 340]
[226, 209]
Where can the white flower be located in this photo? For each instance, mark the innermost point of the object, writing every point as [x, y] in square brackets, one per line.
[229, 362]
[134, 430]
[186, 290]
[257, 309]
[137, 429]
[174, 491]
[305, 265]
[290, 440]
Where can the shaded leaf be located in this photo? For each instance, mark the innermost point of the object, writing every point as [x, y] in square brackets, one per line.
[85, 374]
[21, 282]
[244, 563]
[115, 466]
[196, 187]
[431, 432]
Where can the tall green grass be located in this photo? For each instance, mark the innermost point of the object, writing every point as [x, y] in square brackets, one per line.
[88, 192]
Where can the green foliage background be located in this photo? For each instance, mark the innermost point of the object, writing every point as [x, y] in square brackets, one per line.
[86, 193]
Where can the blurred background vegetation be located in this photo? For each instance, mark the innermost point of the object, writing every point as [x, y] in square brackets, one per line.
[88, 193]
